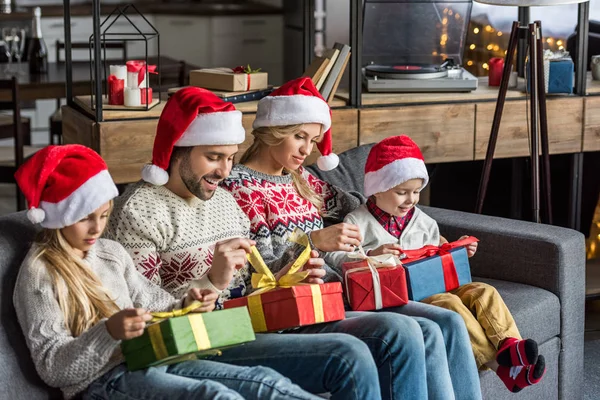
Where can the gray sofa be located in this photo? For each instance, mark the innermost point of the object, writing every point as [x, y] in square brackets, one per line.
[538, 269]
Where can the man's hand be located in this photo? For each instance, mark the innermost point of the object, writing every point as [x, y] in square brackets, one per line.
[128, 323]
[314, 266]
[472, 248]
[338, 237]
[207, 297]
[229, 255]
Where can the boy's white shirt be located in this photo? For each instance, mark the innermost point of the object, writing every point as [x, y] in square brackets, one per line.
[421, 230]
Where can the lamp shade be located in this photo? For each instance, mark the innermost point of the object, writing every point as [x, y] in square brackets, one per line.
[529, 3]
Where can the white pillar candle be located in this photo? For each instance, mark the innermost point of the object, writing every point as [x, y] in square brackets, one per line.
[120, 71]
[132, 81]
[132, 97]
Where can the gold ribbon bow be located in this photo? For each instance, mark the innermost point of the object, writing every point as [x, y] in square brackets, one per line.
[160, 316]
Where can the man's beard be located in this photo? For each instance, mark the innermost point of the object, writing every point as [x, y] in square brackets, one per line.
[194, 183]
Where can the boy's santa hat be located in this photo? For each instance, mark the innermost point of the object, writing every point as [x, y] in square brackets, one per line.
[299, 102]
[391, 162]
[64, 184]
[192, 117]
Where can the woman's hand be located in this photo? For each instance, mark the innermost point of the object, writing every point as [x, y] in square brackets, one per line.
[128, 323]
[338, 237]
[314, 266]
[206, 296]
[472, 248]
[392, 248]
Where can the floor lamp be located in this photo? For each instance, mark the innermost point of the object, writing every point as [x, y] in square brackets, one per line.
[537, 114]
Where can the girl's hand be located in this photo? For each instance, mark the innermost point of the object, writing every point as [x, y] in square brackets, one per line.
[207, 297]
[338, 237]
[128, 323]
[472, 248]
[314, 266]
[392, 248]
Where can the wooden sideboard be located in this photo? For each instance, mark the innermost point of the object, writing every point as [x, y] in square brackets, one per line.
[447, 126]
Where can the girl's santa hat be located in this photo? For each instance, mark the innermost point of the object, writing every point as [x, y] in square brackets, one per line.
[64, 184]
[192, 117]
[391, 162]
[299, 102]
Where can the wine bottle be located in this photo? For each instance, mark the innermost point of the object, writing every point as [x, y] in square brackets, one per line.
[37, 53]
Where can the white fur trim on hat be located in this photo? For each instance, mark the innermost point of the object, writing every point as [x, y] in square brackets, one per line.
[213, 129]
[96, 191]
[328, 162]
[292, 110]
[395, 173]
[154, 174]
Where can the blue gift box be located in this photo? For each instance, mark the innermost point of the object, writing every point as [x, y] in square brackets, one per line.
[425, 277]
[561, 77]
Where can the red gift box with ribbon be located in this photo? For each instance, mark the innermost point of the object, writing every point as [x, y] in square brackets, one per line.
[139, 69]
[284, 303]
[374, 282]
[115, 91]
[229, 79]
[436, 269]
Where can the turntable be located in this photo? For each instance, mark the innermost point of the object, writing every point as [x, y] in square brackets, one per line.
[416, 46]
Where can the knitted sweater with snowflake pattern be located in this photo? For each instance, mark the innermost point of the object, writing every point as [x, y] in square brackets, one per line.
[172, 240]
[275, 209]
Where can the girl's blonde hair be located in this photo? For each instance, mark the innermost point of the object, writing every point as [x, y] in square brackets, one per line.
[81, 297]
[273, 136]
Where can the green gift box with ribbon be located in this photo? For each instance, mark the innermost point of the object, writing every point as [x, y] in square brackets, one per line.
[188, 337]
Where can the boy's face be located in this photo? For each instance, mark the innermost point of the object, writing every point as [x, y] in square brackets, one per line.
[399, 200]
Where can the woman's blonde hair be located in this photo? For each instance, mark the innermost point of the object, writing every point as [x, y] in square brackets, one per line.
[81, 297]
[274, 136]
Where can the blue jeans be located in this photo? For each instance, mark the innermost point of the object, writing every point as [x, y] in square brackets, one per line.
[199, 379]
[460, 359]
[335, 363]
[398, 347]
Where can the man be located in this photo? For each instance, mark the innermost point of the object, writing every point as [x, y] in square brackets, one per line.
[182, 230]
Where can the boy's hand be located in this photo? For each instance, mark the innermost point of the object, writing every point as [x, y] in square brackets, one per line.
[314, 266]
[472, 248]
[128, 323]
[338, 237]
[207, 297]
[392, 248]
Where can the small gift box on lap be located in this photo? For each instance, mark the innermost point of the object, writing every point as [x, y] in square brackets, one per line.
[374, 282]
[437, 269]
[187, 337]
[288, 303]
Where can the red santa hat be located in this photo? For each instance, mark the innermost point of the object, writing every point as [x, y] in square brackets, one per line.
[192, 117]
[391, 162]
[63, 184]
[299, 102]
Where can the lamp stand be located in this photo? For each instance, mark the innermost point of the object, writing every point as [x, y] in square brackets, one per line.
[537, 118]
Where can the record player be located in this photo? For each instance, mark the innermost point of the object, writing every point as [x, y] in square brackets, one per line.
[416, 46]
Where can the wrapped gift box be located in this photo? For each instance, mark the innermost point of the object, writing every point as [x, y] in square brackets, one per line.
[226, 79]
[365, 290]
[559, 73]
[300, 305]
[432, 269]
[187, 337]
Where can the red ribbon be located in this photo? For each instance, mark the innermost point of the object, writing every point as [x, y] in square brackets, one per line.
[448, 267]
[140, 67]
[242, 70]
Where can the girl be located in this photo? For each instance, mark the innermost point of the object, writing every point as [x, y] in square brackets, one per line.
[78, 296]
[278, 195]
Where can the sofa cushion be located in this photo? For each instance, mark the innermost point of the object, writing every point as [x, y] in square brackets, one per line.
[535, 310]
[18, 376]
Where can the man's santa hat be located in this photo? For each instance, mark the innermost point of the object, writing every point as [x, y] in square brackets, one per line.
[299, 102]
[192, 117]
[391, 162]
[64, 184]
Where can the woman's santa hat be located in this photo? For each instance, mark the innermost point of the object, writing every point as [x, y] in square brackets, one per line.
[64, 184]
[299, 102]
[192, 117]
[391, 162]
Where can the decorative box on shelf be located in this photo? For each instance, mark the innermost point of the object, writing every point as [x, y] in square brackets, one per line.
[239, 79]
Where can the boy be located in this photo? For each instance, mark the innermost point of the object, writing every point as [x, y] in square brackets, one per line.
[395, 174]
